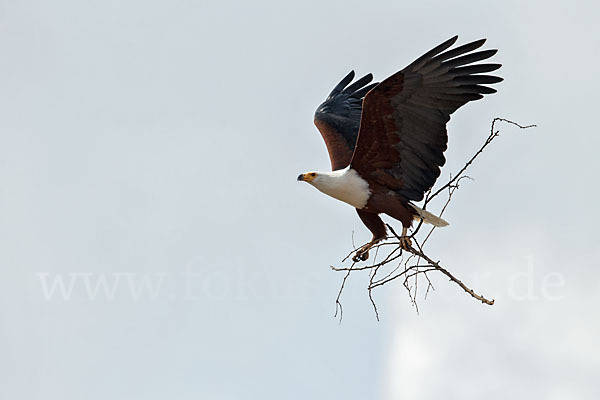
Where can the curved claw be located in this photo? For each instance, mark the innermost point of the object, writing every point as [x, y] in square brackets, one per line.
[405, 242]
[360, 255]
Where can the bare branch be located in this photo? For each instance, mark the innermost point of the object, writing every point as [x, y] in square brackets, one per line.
[411, 262]
[493, 134]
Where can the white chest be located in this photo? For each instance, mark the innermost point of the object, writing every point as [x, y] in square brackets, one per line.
[345, 185]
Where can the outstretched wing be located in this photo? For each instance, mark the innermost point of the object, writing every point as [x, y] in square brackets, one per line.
[338, 118]
[402, 134]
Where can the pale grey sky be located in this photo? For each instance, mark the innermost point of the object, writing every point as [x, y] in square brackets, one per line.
[161, 140]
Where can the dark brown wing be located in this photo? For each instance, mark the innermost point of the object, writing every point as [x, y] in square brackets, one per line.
[338, 118]
[402, 135]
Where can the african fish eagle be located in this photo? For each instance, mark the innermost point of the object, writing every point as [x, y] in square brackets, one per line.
[386, 141]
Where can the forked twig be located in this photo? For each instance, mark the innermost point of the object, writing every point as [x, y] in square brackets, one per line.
[415, 261]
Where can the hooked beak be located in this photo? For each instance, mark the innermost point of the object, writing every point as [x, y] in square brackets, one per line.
[300, 177]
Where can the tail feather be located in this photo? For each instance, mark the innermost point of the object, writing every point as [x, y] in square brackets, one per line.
[428, 217]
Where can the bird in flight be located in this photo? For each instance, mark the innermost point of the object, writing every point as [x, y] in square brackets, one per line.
[386, 140]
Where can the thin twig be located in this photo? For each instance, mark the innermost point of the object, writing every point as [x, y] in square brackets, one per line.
[493, 134]
[412, 256]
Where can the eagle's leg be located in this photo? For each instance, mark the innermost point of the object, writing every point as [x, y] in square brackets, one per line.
[376, 226]
[397, 209]
[405, 241]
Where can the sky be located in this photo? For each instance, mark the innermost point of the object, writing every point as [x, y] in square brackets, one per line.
[154, 241]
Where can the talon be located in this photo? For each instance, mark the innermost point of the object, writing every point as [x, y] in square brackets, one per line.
[405, 242]
[361, 255]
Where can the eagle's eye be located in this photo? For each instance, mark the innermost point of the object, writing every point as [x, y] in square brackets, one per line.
[313, 174]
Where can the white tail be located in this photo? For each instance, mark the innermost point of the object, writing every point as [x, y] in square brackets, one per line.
[428, 217]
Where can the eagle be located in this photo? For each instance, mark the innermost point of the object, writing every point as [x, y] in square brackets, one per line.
[386, 140]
